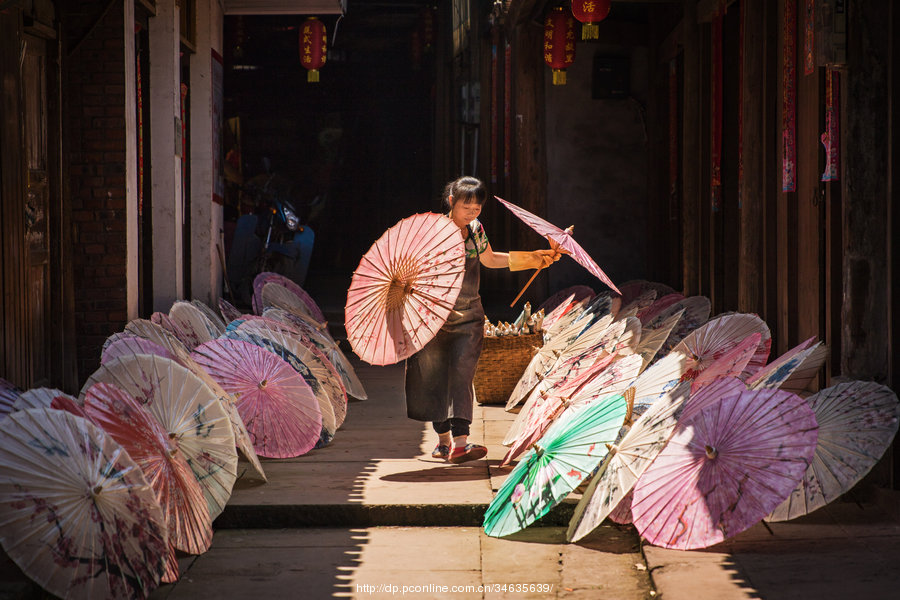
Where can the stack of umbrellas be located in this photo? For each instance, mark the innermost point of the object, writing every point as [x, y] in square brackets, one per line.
[139, 464]
[678, 423]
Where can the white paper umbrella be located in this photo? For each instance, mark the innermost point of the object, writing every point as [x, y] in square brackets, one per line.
[214, 318]
[626, 461]
[717, 336]
[653, 338]
[76, 513]
[192, 321]
[791, 373]
[174, 349]
[857, 422]
[189, 410]
[38, 398]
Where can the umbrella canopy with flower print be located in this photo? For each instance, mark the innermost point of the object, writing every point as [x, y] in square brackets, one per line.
[127, 344]
[635, 287]
[41, 397]
[717, 336]
[312, 308]
[214, 318]
[278, 406]
[275, 294]
[78, 515]
[725, 468]
[792, 371]
[560, 239]
[8, 395]
[404, 288]
[189, 410]
[177, 490]
[566, 296]
[626, 460]
[229, 311]
[653, 338]
[857, 423]
[695, 313]
[193, 323]
[566, 454]
[730, 364]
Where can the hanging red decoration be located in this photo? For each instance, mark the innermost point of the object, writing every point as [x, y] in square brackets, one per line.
[590, 12]
[313, 47]
[559, 43]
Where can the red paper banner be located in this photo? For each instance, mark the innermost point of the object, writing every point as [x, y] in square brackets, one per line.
[809, 45]
[831, 139]
[789, 99]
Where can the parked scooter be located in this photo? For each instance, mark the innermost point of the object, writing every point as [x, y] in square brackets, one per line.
[271, 238]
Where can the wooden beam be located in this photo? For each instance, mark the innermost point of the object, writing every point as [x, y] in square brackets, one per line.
[671, 46]
[690, 218]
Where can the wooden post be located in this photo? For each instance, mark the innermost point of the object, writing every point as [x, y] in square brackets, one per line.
[690, 218]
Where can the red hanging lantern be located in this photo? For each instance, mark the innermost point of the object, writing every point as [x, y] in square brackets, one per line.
[313, 47]
[590, 12]
[559, 43]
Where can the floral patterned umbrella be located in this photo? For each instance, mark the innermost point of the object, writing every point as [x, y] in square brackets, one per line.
[214, 318]
[653, 338]
[328, 346]
[793, 370]
[725, 468]
[404, 288]
[127, 344]
[40, 397]
[730, 364]
[189, 410]
[717, 336]
[556, 465]
[193, 323]
[8, 395]
[276, 295]
[177, 351]
[566, 296]
[229, 311]
[857, 423]
[658, 306]
[635, 287]
[278, 406]
[269, 277]
[164, 466]
[696, 313]
[626, 460]
[637, 305]
[78, 515]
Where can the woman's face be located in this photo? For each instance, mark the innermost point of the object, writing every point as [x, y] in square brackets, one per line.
[463, 212]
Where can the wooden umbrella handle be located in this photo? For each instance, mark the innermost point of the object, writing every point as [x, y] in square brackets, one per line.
[526, 286]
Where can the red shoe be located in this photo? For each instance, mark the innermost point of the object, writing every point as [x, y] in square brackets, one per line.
[470, 452]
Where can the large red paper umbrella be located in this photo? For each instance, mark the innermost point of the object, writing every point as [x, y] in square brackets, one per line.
[277, 405]
[165, 468]
[404, 288]
[724, 469]
[561, 239]
[719, 335]
[78, 515]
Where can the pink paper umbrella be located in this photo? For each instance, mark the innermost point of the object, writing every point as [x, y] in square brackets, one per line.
[269, 277]
[404, 288]
[277, 405]
[127, 344]
[563, 239]
[165, 467]
[717, 336]
[725, 468]
[730, 364]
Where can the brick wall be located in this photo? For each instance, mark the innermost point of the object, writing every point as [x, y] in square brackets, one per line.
[94, 138]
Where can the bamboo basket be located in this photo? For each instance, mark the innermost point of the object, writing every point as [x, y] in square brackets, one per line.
[501, 364]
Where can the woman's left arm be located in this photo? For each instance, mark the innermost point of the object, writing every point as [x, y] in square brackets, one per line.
[494, 260]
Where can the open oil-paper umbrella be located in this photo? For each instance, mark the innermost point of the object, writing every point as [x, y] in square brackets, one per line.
[328, 346]
[696, 313]
[566, 297]
[127, 344]
[717, 336]
[636, 287]
[8, 395]
[731, 364]
[310, 362]
[653, 338]
[192, 321]
[279, 408]
[177, 351]
[265, 277]
[792, 371]
[857, 422]
[177, 490]
[229, 311]
[556, 465]
[275, 294]
[626, 460]
[214, 318]
[724, 469]
[41, 397]
[189, 410]
[78, 516]
[660, 304]
[638, 305]
[404, 288]
[580, 335]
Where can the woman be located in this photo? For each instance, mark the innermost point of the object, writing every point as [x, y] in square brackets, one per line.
[439, 377]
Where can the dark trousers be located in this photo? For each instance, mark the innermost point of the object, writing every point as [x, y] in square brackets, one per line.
[457, 426]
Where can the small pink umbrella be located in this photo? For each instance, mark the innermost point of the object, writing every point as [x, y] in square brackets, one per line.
[277, 405]
[404, 288]
[724, 469]
[562, 239]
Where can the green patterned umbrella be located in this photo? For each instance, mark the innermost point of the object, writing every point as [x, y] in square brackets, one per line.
[567, 453]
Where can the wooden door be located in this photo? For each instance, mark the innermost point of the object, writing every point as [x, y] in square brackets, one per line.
[37, 208]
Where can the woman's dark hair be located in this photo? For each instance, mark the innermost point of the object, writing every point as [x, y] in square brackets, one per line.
[466, 188]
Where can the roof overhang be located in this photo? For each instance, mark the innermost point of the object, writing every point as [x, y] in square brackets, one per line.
[284, 7]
